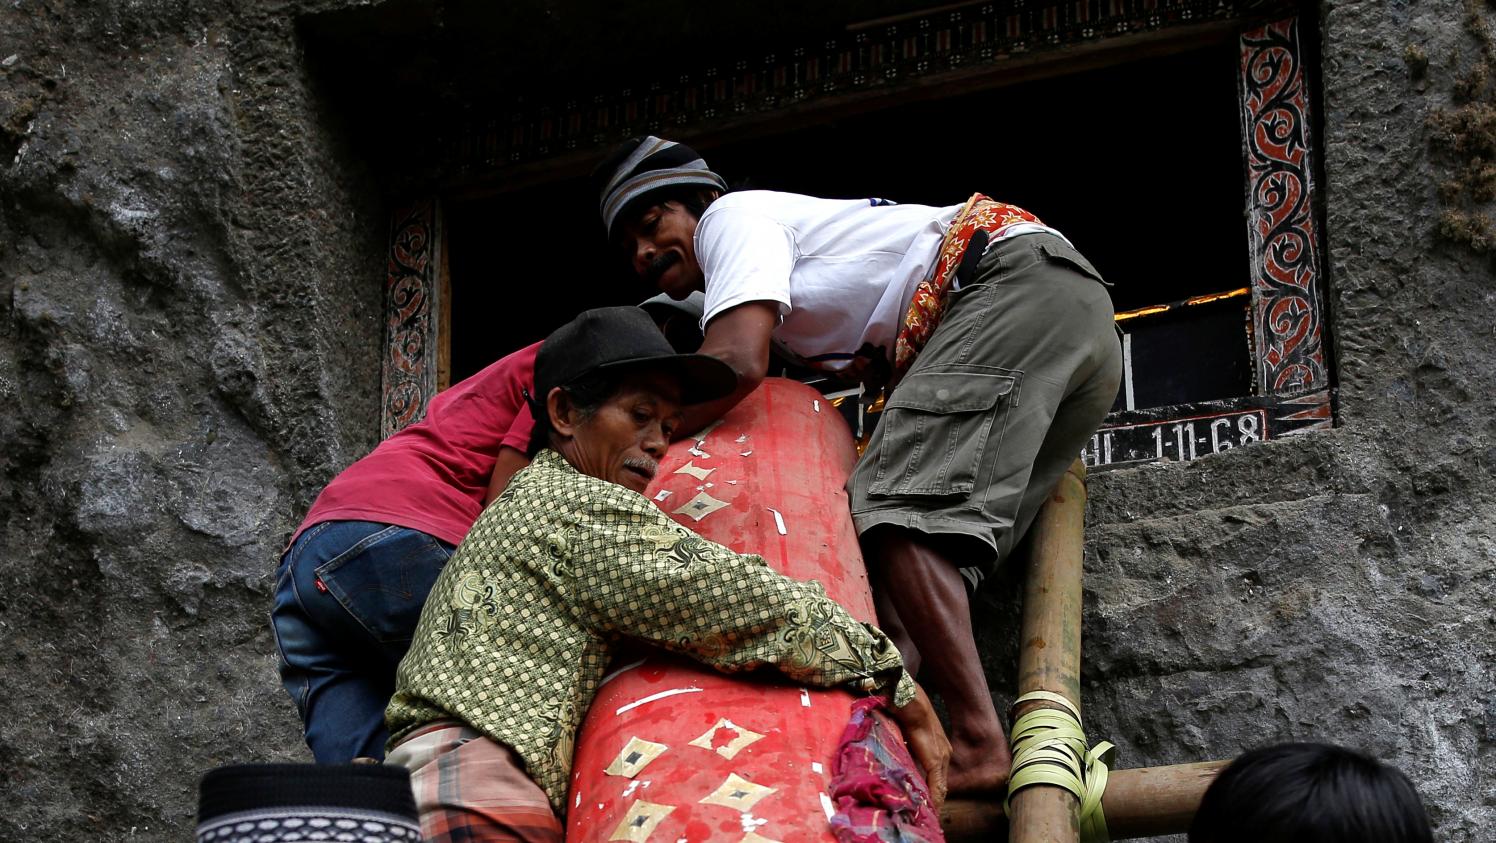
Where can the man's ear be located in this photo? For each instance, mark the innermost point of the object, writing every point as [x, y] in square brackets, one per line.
[558, 406]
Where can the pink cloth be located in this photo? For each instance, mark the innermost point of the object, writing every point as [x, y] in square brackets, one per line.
[879, 794]
[432, 475]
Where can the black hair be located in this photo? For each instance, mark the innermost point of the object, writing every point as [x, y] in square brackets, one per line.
[587, 395]
[1303, 792]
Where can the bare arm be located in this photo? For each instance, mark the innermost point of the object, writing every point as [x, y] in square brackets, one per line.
[740, 338]
[504, 467]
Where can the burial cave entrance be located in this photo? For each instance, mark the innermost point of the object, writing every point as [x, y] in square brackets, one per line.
[1171, 140]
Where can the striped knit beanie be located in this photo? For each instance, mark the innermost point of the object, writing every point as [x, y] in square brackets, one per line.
[640, 166]
[291, 803]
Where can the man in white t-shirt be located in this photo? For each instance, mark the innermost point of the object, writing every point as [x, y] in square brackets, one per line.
[993, 333]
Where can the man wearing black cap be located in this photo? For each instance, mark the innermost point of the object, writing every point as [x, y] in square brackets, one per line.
[991, 333]
[553, 574]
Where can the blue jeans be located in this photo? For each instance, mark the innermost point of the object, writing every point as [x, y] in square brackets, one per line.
[347, 598]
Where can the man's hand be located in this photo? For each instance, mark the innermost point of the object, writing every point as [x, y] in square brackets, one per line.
[927, 742]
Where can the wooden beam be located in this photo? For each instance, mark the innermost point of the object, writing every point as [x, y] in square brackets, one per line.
[1149, 801]
[1142, 802]
[1049, 646]
[1011, 69]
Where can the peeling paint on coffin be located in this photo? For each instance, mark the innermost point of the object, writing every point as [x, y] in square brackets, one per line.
[741, 740]
[737, 793]
[694, 470]
[697, 452]
[828, 807]
[652, 697]
[778, 521]
[619, 672]
[640, 821]
[633, 758]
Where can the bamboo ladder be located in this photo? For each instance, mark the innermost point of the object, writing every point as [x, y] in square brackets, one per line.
[1137, 803]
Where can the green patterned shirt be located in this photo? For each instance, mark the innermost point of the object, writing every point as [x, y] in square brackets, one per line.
[524, 619]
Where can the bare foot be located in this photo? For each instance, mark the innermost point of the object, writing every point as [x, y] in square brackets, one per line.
[978, 767]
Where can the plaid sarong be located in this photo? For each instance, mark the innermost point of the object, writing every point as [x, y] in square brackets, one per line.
[877, 789]
[928, 304]
[468, 787]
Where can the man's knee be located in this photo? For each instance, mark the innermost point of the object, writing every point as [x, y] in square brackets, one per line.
[892, 544]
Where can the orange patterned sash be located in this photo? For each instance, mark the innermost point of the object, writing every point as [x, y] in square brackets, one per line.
[928, 305]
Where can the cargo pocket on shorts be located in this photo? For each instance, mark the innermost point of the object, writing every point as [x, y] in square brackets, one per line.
[1057, 252]
[938, 425]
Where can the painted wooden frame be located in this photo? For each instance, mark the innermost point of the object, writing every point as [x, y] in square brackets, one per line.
[417, 316]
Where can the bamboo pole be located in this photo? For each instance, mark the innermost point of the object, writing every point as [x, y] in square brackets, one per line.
[1149, 801]
[1049, 649]
[1141, 802]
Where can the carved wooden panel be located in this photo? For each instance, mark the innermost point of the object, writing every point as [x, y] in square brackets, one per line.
[412, 315]
[876, 55]
[1289, 315]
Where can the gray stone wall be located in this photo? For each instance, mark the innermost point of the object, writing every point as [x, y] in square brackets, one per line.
[190, 328]
[190, 295]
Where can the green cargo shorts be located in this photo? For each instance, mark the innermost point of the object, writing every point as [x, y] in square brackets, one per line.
[1018, 375]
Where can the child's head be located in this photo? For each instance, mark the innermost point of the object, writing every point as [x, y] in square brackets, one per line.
[1302, 792]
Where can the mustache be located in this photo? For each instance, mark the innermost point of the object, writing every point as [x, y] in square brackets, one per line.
[659, 265]
[644, 464]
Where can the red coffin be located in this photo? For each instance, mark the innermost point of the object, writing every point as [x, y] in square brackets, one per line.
[674, 752]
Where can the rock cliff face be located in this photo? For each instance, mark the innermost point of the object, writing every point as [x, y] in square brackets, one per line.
[189, 318]
[191, 258]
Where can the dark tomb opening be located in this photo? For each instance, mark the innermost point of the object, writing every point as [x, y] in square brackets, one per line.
[1138, 163]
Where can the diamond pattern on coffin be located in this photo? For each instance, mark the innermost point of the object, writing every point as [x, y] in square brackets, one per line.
[635, 756]
[694, 470]
[737, 793]
[732, 747]
[640, 821]
[700, 506]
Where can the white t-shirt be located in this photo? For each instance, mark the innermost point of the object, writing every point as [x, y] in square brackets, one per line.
[842, 270]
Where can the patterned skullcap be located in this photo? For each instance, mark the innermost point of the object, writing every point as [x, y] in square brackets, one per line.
[294, 803]
[640, 166]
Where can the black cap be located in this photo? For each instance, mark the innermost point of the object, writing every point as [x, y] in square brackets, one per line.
[617, 339]
[255, 802]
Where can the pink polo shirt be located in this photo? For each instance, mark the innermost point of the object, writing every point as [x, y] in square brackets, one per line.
[432, 475]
